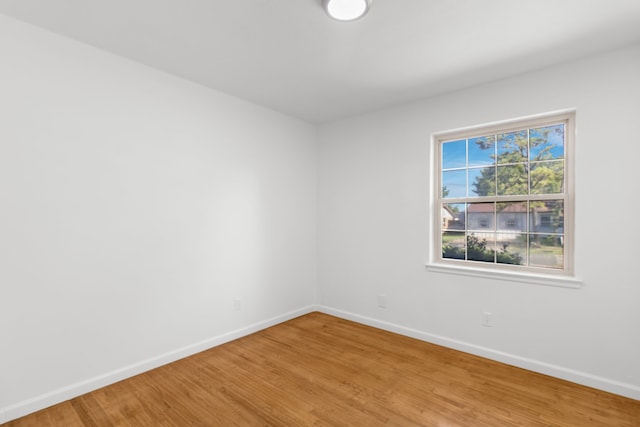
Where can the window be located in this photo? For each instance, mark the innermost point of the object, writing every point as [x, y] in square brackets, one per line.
[509, 186]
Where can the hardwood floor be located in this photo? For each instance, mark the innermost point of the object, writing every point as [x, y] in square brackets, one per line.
[318, 370]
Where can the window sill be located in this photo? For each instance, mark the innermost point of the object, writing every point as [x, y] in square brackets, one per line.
[531, 278]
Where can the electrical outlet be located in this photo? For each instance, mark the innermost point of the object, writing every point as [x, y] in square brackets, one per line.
[487, 319]
[236, 304]
[382, 301]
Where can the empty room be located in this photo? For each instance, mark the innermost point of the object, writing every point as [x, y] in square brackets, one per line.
[319, 212]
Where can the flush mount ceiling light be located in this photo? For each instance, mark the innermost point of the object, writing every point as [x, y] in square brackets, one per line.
[346, 10]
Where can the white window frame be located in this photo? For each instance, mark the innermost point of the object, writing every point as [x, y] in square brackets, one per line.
[561, 277]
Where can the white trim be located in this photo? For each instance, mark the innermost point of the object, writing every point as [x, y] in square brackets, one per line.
[524, 277]
[500, 124]
[71, 391]
[578, 377]
[29, 406]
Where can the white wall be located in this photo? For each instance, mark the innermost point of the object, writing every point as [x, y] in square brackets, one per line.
[374, 214]
[134, 208]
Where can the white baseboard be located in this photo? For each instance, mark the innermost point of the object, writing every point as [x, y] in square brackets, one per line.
[74, 390]
[583, 378]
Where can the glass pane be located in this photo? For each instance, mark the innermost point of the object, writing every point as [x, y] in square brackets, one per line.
[453, 245]
[547, 177]
[512, 180]
[546, 250]
[546, 216]
[513, 147]
[454, 154]
[482, 181]
[481, 247]
[454, 183]
[453, 216]
[512, 248]
[512, 216]
[547, 143]
[481, 216]
[482, 151]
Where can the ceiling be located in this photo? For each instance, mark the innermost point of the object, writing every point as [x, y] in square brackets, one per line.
[289, 56]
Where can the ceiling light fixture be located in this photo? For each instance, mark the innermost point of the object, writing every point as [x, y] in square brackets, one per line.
[346, 10]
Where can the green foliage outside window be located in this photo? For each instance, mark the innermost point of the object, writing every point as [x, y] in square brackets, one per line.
[477, 251]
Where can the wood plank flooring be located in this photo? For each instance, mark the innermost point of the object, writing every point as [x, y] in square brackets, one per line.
[318, 370]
